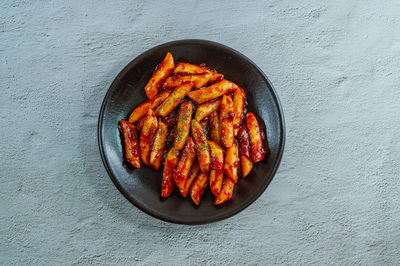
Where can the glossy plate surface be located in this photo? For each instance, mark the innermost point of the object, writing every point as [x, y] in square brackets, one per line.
[142, 186]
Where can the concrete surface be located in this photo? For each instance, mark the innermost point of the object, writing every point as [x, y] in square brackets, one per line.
[335, 198]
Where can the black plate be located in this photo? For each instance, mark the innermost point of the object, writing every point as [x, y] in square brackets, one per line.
[142, 186]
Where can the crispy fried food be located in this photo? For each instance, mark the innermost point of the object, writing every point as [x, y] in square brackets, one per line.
[256, 141]
[214, 91]
[159, 76]
[183, 126]
[130, 143]
[173, 99]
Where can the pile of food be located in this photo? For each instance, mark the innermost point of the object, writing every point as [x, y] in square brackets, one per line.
[196, 123]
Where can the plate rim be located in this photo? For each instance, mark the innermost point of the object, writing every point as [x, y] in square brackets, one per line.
[167, 218]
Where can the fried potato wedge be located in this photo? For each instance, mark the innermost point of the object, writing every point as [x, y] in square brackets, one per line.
[232, 162]
[244, 151]
[214, 91]
[226, 119]
[239, 100]
[215, 127]
[256, 141]
[130, 143]
[185, 68]
[150, 125]
[157, 148]
[168, 183]
[185, 163]
[194, 171]
[226, 192]
[142, 109]
[198, 187]
[173, 99]
[198, 80]
[203, 152]
[159, 76]
[206, 109]
[217, 167]
[183, 126]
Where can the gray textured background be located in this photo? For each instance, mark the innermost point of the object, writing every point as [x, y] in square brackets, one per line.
[335, 198]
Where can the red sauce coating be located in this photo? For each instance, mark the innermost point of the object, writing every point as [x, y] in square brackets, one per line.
[244, 141]
[130, 143]
[161, 81]
[249, 144]
[139, 124]
[170, 120]
[185, 163]
[198, 187]
[217, 164]
[230, 115]
[256, 145]
[203, 151]
[168, 183]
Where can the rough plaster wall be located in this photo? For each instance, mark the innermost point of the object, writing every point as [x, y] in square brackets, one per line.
[335, 198]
